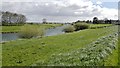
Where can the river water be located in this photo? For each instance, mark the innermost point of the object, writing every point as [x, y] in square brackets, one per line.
[48, 32]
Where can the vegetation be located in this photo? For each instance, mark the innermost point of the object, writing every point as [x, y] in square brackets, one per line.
[91, 47]
[29, 31]
[9, 18]
[68, 29]
[95, 20]
[93, 54]
[0, 54]
[118, 46]
[95, 26]
[81, 26]
[21, 52]
[17, 28]
[10, 28]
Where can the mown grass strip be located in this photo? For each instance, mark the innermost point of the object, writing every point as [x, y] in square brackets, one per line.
[92, 55]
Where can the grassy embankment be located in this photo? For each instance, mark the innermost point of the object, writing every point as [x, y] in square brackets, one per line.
[17, 28]
[31, 51]
[114, 59]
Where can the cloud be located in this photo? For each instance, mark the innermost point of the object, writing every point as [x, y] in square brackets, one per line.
[59, 10]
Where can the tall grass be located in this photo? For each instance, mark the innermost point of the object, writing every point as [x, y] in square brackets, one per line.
[29, 31]
[68, 29]
[81, 26]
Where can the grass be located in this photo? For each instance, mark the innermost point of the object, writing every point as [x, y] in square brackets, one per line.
[112, 60]
[81, 26]
[68, 29]
[93, 26]
[116, 53]
[119, 47]
[10, 28]
[21, 52]
[93, 54]
[29, 31]
[0, 55]
[17, 28]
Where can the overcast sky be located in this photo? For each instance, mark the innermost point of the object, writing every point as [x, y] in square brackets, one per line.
[62, 10]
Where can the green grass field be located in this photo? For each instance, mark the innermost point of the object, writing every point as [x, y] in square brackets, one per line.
[17, 28]
[93, 26]
[28, 52]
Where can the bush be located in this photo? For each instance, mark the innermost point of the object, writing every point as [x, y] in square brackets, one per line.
[69, 29]
[29, 31]
[81, 26]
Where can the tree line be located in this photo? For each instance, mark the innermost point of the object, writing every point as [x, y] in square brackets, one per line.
[97, 21]
[9, 18]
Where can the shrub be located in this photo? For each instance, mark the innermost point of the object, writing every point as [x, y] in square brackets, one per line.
[81, 26]
[69, 29]
[29, 31]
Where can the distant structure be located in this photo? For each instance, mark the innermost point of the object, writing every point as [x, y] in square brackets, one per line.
[44, 21]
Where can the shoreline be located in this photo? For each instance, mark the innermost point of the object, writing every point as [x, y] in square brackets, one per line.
[7, 32]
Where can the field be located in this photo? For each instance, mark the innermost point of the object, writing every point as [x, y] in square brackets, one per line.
[17, 28]
[93, 26]
[22, 52]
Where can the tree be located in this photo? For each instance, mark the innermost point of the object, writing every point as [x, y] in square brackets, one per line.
[21, 18]
[87, 21]
[95, 20]
[106, 20]
[12, 18]
[5, 17]
[44, 21]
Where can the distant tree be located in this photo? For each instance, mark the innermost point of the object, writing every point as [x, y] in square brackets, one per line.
[87, 21]
[12, 18]
[44, 21]
[77, 21]
[5, 17]
[118, 22]
[95, 20]
[90, 21]
[106, 20]
[21, 19]
[83, 21]
[110, 21]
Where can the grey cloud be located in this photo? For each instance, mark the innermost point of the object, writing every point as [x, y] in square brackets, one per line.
[54, 10]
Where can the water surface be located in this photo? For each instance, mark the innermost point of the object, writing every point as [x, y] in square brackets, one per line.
[48, 32]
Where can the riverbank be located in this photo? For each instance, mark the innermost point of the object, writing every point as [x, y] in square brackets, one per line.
[15, 29]
[21, 52]
[48, 32]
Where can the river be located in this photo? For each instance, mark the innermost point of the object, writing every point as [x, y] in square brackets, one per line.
[48, 32]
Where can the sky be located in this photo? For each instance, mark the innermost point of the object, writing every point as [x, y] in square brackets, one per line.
[62, 10]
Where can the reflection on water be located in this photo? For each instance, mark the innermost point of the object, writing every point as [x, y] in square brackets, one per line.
[48, 32]
[55, 31]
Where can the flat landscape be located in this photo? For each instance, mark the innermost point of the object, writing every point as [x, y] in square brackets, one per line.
[21, 52]
[65, 33]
